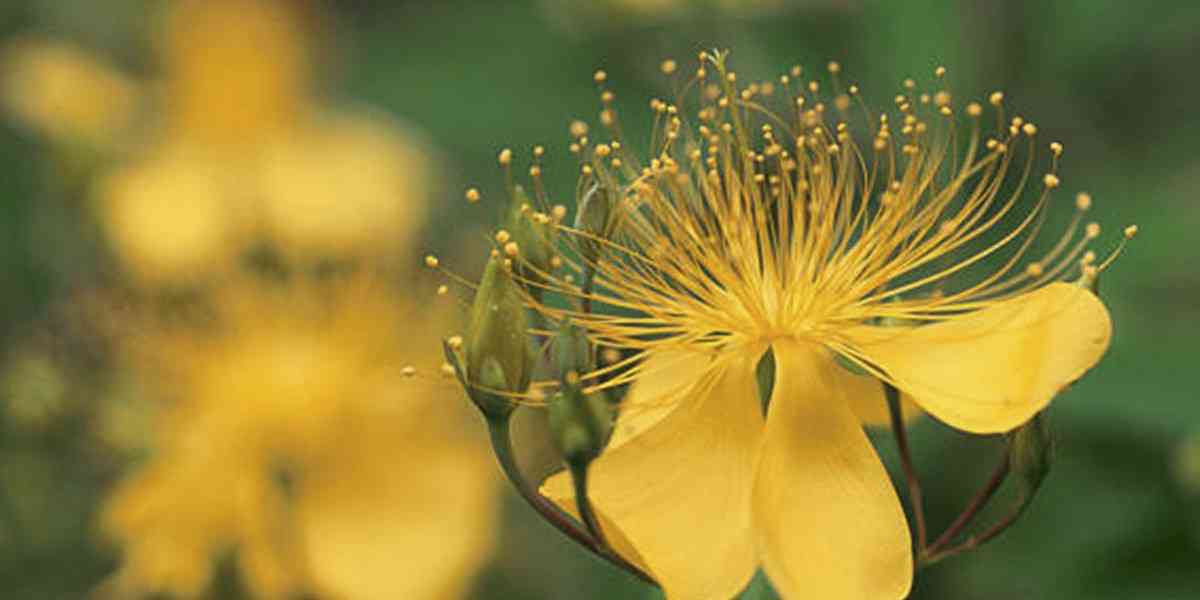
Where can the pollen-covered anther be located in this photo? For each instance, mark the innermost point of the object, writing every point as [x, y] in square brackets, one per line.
[939, 72]
[996, 98]
[1029, 129]
[408, 371]
[607, 97]
[447, 370]
[431, 261]
[571, 377]
[834, 67]
[511, 249]
[535, 171]
[505, 157]
[578, 129]
[455, 342]
[442, 290]
[1034, 269]
[556, 262]
[974, 109]
[472, 195]
[559, 212]
[1056, 148]
[600, 76]
[1083, 200]
[1092, 231]
[1051, 180]
[502, 237]
[668, 66]
[603, 150]
[1131, 231]
[1088, 258]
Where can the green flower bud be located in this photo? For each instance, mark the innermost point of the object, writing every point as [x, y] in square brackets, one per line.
[581, 423]
[497, 356]
[533, 233]
[595, 216]
[1031, 452]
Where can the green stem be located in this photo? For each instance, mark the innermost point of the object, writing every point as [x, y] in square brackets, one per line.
[972, 509]
[579, 473]
[501, 438]
[906, 463]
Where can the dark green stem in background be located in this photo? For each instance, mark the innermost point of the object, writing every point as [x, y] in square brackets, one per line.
[910, 474]
[969, 513]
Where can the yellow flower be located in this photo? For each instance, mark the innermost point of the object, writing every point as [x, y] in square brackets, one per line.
[752, 231]
[295, 437]
[65, 93]
[238, 71]
[247, 153]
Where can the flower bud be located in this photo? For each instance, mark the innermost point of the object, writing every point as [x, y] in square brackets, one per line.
[594, 217]
[1030, 453]
[581, 423]
[496, 356]
[534, 236]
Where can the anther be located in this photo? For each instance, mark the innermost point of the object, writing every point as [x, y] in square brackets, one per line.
[996, 98]
[1092, 231]
[1034, 269]
[502, 237]
[1056, 148]
[447, 370]
[834, 67]
[538, 151]
[1030, 129]
[431, 261]
[939, 72]
[408, 371]
[668, 66]
[442, 290]
[1083, 200]
[578, 128]
[974, 109]
[1131, 231]
[1051, 180]
[455, 342]
[600, 76]
[505, 157]
[511, 249]
[472, 195]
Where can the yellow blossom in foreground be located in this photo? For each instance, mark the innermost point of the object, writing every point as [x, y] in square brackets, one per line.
[751, 230]
[66, 93]
[294, 436]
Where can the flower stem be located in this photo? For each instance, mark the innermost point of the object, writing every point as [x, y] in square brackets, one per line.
[906, 463]
[579, 472]
[972, 509]
[500, 432]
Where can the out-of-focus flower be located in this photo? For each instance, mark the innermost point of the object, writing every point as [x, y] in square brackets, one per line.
[346, 185]
[65, 93]
[171, 216]
[295, 437]
[246, 151]
[598, 14]
[237, 71]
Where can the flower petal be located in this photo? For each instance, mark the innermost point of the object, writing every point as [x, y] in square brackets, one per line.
[866, 398]
[679, 491]
[826, 517]
[992, 370]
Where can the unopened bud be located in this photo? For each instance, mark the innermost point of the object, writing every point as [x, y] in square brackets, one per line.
[534, 238]
[1031, 452]
[495, 358]
[580, 423]
[594, 217]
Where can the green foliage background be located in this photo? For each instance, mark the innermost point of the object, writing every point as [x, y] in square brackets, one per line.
[1119, 516]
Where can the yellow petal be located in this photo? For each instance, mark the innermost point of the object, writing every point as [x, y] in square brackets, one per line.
[992, 370]
[655, 393]
[866, 398]
[378, 525]
[827, 520]
[680, 491]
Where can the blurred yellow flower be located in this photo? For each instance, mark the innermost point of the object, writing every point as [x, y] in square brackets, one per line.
[237, 71]
[171, 215]
[66, 93]
[246, 151]
[347, 184]
[294, 437]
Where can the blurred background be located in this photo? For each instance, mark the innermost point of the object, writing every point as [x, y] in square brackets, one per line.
[218, 353]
